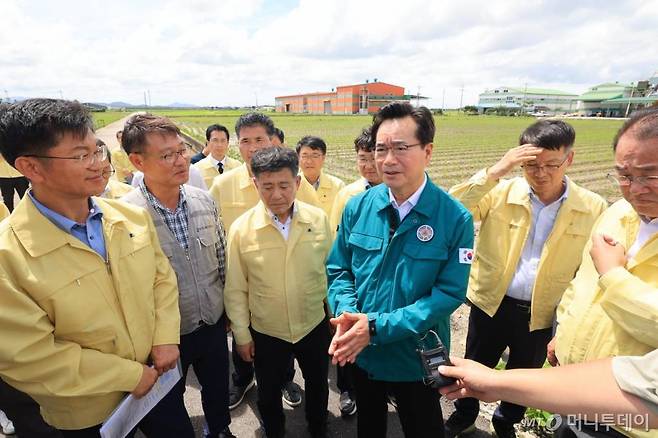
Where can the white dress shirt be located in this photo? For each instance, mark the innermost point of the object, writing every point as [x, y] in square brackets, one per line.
[406, 206]
[647, 230]
[283, 227]
[543, 219]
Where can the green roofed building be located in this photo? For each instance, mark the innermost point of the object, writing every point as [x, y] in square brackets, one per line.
[603, 99]
[529, 100]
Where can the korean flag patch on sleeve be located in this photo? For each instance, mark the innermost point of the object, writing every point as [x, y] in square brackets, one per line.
[466, 256]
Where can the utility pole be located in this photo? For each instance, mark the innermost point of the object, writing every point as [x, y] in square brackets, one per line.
[146, 104]
[148, 92]
[443, 101]
[525, 91]
[461, 98]
[418, 98]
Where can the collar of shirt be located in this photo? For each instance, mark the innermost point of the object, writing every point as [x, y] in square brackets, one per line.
[90, 233]
[155, 202]
[283, 227]
[215, 162]
[536, 202]
[406, 206]
[63, 222]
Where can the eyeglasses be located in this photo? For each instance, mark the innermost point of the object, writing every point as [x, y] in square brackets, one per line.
[171, 157]
[626, 180]
[85, 159]
[549, 168]
[360, 160]
[399, 148]
[310, 156]
[107, 173]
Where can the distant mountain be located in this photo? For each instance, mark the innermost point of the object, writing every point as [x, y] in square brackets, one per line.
[120, 105]
[182, 105]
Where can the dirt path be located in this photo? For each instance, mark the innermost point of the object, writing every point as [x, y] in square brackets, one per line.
[108, 132]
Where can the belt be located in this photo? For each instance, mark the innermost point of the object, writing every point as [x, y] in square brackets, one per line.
[519, 304]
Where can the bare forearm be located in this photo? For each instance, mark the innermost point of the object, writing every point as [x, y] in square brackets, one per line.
[588, 389]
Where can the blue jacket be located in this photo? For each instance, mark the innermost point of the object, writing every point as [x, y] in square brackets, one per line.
[407, 285]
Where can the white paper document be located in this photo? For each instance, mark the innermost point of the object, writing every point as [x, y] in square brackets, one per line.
[131, 410]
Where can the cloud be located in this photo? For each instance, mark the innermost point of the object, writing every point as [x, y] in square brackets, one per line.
[236, 51]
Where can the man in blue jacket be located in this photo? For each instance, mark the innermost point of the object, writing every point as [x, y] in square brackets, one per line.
[398, 268]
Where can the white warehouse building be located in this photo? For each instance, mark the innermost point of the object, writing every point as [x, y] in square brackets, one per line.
[528, 100]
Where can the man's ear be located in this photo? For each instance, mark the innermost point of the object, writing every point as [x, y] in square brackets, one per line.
[137, 160]
[298, 181]
[31, 168]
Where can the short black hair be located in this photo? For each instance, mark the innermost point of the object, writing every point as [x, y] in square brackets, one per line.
[280, 134]
[254, 119]
[34, 126]
[643, 125]
[140, 125]
[549, 134]
[313, 142]
[364, 142]
[274, 159]
[425, 127]
[216, 127]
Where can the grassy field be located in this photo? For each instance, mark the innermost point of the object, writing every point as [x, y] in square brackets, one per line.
[464, 144]
[105, 118]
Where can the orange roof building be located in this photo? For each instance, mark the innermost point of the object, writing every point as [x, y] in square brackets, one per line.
[366, 98]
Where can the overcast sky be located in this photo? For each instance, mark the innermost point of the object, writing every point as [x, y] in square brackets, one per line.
[239, 52]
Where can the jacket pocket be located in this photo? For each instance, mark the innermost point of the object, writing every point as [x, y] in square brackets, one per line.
[207, 242]
[364, 248]
[418, 270]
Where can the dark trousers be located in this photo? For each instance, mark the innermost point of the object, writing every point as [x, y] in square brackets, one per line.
[244, 371]
[8, 185]
[23, 411]
[271, 364]
[486, 341]
[206, 350]
[417, 404]
[344, 378]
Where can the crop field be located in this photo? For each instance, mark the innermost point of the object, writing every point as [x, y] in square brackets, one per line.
[463, 144]
[106, 117]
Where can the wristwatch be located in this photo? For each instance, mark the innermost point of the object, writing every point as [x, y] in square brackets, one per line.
[372, 327]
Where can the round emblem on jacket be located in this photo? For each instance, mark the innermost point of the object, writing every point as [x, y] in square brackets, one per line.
[425, 233]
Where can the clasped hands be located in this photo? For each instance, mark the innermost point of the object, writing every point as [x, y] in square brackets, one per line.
[351, 336]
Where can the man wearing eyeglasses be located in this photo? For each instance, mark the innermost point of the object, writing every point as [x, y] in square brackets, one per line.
[193, 239]
[88, 297]
[114, 189]
[611, 306]
[532, 234]
[312, 152]
[396, 271]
